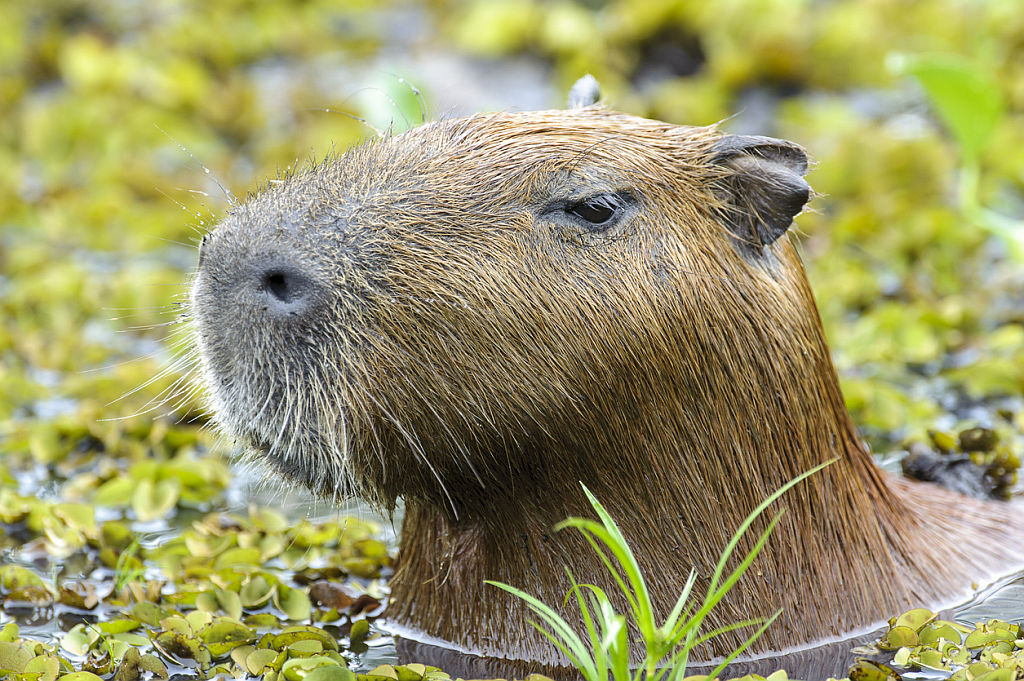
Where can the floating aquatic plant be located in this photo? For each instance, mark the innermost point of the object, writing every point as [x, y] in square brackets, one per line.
[918, 639]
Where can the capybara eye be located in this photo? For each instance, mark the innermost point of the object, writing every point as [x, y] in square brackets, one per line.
[597, 210]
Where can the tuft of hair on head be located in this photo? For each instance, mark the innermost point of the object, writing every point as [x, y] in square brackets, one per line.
[584, 92]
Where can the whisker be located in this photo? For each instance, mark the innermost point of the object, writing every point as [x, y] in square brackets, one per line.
[420, 100]
[376, 131]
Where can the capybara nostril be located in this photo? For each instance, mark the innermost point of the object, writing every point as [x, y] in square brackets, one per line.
[279, 285]
[288, 290]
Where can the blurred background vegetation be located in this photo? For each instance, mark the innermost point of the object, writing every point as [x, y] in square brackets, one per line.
[119, 120]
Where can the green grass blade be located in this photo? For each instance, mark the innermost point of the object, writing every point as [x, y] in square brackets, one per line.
[624, 554]
[685, 623]
[712, 598]
[734, 576]
[607, 631]
[679, 610]
[746, 644]
[753, 516]
[587, 667]
[612, 536]
[588, 620]
[559, 627]
[632, 584]
[592, 534]
[618, 649]
[727, 628]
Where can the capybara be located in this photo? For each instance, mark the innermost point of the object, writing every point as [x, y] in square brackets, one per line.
[481, 313]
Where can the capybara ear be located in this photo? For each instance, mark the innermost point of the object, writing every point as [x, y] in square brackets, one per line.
[765, 191]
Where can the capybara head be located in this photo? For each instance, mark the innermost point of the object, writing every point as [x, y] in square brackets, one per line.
[413, 317]
[481, 313]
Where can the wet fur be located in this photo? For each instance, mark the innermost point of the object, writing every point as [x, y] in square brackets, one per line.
[479, 359]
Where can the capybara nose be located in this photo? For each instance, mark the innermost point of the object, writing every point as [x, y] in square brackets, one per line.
[284, 290]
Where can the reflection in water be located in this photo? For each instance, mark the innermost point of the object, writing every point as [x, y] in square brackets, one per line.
[821, 662]
[1004, 599]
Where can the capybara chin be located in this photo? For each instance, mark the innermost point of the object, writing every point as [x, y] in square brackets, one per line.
[481, 313]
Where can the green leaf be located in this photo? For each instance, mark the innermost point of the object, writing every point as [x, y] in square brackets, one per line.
[914, 619]
[47, 667]
[237, 557]
[15, 656]
[331, 672]
[79, 640]
[259, 660]
[1005, 674]
[9, 633]
[293, 603]
[13, 577]
[153, 500]
[305, 648]
[115, 492]
[298, 668]
[359, 631]
[410, 672]
[966, 97]
[257, 591]
[227, 630]
[137, 640]
[290, 635]
[81, 676]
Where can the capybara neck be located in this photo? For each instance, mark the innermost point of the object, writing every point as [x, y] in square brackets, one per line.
[680, 450]
[483, 313]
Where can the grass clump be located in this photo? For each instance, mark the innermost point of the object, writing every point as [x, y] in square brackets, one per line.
[603, 651]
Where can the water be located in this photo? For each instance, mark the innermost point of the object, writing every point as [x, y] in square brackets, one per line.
[1002, 599]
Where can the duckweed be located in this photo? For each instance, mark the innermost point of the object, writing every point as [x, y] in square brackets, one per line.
[919, 639]
[229, 612]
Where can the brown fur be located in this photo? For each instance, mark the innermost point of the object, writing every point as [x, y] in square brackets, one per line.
[468, 352]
